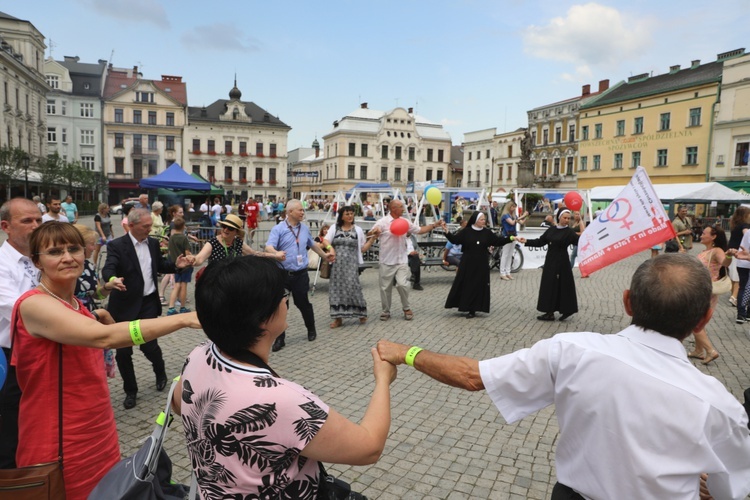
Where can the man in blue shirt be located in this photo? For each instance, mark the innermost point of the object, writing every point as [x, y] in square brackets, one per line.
[294, 238]
[70, 209]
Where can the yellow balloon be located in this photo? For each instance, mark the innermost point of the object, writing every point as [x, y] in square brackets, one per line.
[434, 196]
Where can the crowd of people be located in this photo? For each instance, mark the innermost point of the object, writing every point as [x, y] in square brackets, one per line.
[52, 329]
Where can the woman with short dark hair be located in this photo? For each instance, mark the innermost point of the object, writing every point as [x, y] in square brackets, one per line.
[251, 433]
[345, 296]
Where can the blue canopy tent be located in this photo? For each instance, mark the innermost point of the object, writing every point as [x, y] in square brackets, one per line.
[467, 195]
[175, 178]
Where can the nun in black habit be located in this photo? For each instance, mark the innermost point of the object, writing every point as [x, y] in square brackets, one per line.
[557, 291]
[471, 288]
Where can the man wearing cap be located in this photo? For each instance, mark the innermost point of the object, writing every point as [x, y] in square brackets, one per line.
[294, 238]
[137, 259]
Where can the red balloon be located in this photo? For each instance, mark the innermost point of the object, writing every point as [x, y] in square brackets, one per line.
[399, 226]
[573, 201]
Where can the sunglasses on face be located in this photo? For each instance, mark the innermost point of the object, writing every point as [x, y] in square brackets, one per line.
[58, 252]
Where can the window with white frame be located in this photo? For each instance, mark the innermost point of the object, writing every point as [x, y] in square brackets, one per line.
[87, 109]
[691, 155]
[63, 108]
[664, 120]
[144, 96]
[584, 163]
[51, 106]
[64, 134]
[620, 127]
[742, 154]
[569, 167]
[52, 134]
[635, 159]
[87, 162]
[53, 81]
[87, 137]
[638, 125]
[661, 157]
[598, 131]
[597, 162]
[618, 161]
[695, 117]
[350, 171]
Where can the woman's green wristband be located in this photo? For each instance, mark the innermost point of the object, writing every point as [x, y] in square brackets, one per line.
[135, 332]
[411, 354]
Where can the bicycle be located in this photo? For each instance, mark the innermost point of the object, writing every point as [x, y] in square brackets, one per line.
[516, 263]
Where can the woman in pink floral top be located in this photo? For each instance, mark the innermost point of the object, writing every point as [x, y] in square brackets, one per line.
[251, 434]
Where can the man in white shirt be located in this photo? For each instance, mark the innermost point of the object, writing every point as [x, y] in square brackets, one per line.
[637, 418]
[18, 218]
[53, 212]
[394, 259]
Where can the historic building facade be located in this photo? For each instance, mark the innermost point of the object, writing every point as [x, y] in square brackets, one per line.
[491, 159]
[730, 157]
[394, 147]
[239, 146]
[74, 111]
[662, 123]
[23, 121]
[554, 139]
[143, 122]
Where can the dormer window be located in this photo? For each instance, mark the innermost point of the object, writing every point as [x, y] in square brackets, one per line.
[144, 96]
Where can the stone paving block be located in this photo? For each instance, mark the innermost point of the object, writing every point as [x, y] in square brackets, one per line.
[444, 442]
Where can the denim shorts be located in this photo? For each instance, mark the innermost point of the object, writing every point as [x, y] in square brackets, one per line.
[184, 276]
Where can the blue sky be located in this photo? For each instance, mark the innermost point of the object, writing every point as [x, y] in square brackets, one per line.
[470, 65]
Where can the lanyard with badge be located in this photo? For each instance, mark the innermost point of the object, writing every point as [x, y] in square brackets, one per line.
[296, 239]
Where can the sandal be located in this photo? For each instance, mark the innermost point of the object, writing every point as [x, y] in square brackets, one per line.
[336, 323]
[384, 316]
[408, 315]
[697, 355]
[710, 357]
[362, 321]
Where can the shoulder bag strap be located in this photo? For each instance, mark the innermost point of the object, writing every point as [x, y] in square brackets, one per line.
[60, 404]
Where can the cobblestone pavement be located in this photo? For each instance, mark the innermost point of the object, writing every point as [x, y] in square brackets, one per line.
[444, 443]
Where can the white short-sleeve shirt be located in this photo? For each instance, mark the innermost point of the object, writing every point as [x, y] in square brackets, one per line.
[637, 419]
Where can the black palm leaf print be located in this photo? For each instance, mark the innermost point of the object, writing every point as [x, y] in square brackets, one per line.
[255, 452]
[187, 392]
[306, 428]
[301, 489]
[253, 418]
[265, 382]
[207, 405]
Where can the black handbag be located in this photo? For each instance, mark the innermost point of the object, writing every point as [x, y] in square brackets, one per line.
[147, 474]
[41, 481]
[329, 487]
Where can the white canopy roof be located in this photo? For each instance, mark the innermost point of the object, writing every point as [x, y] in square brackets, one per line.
[696, 192]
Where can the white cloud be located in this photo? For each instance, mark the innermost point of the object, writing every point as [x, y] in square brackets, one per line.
[144, 11]
[219, 36]
[590, 35]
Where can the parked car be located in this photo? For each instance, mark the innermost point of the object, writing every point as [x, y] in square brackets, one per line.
[118, 209]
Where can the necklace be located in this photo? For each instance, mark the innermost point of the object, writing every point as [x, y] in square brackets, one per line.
[75, 305]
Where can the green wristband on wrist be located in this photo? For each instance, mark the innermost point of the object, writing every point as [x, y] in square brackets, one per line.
[135, 332]
[411, 354]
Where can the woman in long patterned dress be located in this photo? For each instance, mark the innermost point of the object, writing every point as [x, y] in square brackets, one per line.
[345, 293]
[557, 291]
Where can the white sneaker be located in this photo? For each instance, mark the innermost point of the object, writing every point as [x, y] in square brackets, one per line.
[506, 278]
[733, 301]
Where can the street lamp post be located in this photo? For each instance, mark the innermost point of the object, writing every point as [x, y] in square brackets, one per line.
[25, 166]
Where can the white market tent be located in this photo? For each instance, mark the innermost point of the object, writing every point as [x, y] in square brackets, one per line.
[696, 192]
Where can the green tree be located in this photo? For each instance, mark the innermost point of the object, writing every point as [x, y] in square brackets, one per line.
[51, 171]
[10, 165]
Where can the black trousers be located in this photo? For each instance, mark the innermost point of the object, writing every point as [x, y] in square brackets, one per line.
[10, 398]
[415, 266]
[298, 283]
[562, 492]
[743, 273]
[150, 308]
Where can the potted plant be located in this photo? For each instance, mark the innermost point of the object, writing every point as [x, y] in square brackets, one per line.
[259, 181]
[243, 181]
[273, 182]
[243, 154]
[196, 151]
[227, 181]
[259, 155]
[229, 153]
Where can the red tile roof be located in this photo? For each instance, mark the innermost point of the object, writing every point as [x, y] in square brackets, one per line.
[117, 78]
